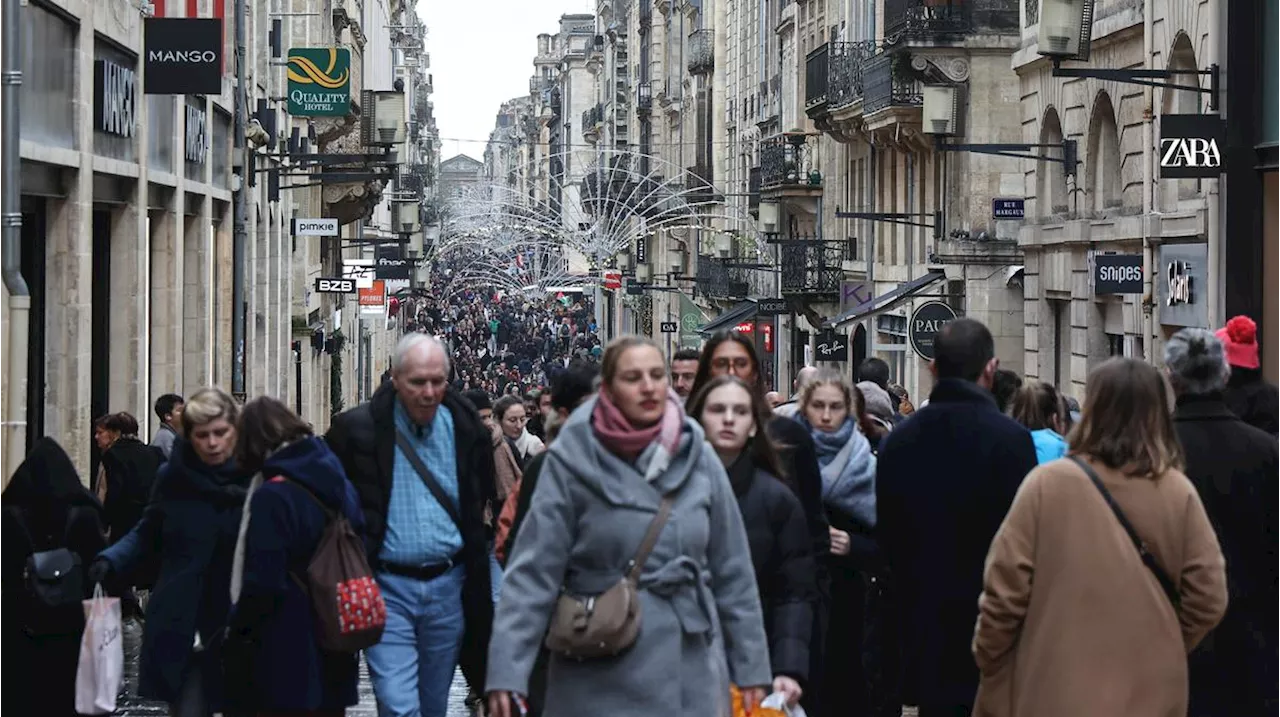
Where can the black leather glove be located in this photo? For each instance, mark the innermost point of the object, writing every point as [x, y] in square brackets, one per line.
[99, 572]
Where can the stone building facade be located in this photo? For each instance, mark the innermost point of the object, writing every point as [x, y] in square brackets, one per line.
[1116, 202]
[127, 242]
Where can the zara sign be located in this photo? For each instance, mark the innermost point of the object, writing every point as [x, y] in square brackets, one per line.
[1191, 146]
[114, 97]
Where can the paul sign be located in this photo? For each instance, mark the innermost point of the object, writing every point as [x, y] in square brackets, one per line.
[926, 322]
[1191, 146]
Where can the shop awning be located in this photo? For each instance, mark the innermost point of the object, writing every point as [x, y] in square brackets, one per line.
[731, 318]
[888, 300]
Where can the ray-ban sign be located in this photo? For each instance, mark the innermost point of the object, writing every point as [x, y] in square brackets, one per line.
[1191, 146]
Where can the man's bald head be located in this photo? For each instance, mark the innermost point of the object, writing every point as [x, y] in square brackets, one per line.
[805, 377]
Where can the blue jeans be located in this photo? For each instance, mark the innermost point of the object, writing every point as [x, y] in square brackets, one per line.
[495, 575]
[412, 667]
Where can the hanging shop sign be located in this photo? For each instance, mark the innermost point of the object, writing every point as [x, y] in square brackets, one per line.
[691, 317]
[335, 286]
[1181, 286]
[182, 56]
[1191, 146]
[669, 327]
[1117, 274]
[114, 98]
[319, 81]
[373, 300]
[611, 279]
[1008, 208]
[391, 263]
[832, 346]
[197, 134]
[926, 322]
[854, 294]
[771, 307]
[642, 250]
[314, 227]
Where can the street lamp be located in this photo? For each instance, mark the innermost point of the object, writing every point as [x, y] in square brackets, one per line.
[675, 258]
[724, 245]
[644, 272]
[1066, 28]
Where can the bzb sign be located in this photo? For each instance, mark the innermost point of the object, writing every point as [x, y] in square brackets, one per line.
[115, 89]
[1191, 146]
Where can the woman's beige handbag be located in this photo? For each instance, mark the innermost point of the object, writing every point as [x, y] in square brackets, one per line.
[607, 624]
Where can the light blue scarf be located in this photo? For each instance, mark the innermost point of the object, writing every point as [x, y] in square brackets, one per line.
[848, 472]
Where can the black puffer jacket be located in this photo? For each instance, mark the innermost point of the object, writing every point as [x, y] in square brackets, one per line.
[784, 564]
[1255, 401]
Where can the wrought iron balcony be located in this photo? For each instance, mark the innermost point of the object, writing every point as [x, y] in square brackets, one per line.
[716, 280]
[787, 161]
[592, 119]
[553, 101]
[833, 75]
[886, 85]
[811, 267]
[926, 19]
[702, 52]
[700, 190]
[644, 97]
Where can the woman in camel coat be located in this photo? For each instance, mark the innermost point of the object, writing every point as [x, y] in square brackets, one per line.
[1071, 622]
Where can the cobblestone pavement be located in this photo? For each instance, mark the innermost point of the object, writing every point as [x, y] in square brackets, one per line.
[130, 706]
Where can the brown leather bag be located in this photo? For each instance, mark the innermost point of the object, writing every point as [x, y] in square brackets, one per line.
[607, 624]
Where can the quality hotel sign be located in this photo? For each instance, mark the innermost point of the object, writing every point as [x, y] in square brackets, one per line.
[319, 82]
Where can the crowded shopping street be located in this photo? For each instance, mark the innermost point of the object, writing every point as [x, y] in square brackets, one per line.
[577, 358]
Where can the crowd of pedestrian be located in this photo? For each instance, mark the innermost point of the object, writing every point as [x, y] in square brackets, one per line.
[610, 530]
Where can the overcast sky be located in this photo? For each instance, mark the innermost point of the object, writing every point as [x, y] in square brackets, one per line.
[482, 55]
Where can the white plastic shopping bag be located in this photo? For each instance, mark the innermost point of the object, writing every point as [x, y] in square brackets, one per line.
[101, 668]
[778, 701]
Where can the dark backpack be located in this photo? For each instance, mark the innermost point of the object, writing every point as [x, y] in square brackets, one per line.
[350, 613]
[53, 580]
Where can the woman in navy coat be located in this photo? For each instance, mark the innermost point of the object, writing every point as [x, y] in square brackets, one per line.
[189, 529]
[272, 648]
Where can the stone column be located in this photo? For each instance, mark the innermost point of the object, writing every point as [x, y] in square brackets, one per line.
[199, 349]
[167, 293]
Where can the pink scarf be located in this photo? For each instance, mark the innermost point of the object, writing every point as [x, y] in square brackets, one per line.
[628, 442]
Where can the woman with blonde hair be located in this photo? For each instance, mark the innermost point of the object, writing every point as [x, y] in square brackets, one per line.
[630, 491]
[1106, 571]
[188, 533]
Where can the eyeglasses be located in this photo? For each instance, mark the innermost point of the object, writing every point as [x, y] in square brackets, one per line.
[740, 363]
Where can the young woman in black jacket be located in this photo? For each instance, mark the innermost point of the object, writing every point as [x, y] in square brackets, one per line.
[732, 414]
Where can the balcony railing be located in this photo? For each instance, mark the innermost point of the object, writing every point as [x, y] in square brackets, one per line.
[811, 267]
[714, 279]
[833, 74]
[884, 85]
[592, 119]
[702, 49]
[553, 101]
[787, 161]
[926, 18]
[644, 97]
[700, 190]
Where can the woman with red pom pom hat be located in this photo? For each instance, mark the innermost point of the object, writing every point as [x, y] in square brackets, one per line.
[1248, 395]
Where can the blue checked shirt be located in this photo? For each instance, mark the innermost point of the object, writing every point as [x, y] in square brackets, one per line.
[419, 530]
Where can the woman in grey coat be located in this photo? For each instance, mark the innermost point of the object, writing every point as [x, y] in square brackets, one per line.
[601, 485]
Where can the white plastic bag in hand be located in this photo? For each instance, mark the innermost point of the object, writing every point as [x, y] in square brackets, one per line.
[101, 669]
[778, 701]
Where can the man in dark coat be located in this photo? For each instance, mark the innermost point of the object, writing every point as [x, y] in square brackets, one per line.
[946, 476]
[427, 538]
[1233, 466]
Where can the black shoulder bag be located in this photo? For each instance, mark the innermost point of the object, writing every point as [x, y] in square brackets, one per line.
[1149, 560]
[430, 480]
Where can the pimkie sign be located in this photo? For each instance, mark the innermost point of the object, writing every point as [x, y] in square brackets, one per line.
[319, 82]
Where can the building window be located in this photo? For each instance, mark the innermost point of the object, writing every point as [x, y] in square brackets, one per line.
[221, 149]
[1115, 344]
[1104, 156]
[161, 126]
[1051, 181]
[48, 78]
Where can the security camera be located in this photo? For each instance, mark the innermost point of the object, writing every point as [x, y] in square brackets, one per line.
[255, 135]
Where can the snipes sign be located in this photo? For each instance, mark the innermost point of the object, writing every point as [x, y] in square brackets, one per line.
[319, 82]
[183, 56]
